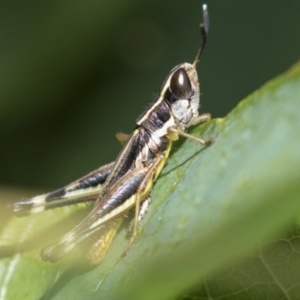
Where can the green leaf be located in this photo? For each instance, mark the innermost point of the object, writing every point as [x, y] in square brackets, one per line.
[210, 208]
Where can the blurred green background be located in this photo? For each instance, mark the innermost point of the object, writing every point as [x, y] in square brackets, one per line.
[73, 73]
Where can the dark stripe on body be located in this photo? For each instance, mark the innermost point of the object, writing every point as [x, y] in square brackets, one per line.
[122, 194]
[126, 159]
[157, 118]
[92, 181]
[141, 137]
[86, 182]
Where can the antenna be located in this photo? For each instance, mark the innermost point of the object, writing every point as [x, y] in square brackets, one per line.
[204, 30]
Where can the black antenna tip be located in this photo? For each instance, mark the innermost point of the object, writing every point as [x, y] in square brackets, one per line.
[204, 30]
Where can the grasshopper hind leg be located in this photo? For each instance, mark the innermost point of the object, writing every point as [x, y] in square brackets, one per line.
[143, 195]
[82, 190]
[120, 198]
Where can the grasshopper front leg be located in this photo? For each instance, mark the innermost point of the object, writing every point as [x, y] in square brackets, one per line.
[200, 119]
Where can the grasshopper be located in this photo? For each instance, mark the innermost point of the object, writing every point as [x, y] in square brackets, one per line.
[126, 183]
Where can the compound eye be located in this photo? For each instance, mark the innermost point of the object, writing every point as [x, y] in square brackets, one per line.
[180, 85]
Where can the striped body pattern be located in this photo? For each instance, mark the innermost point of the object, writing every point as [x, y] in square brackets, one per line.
[126, 183]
